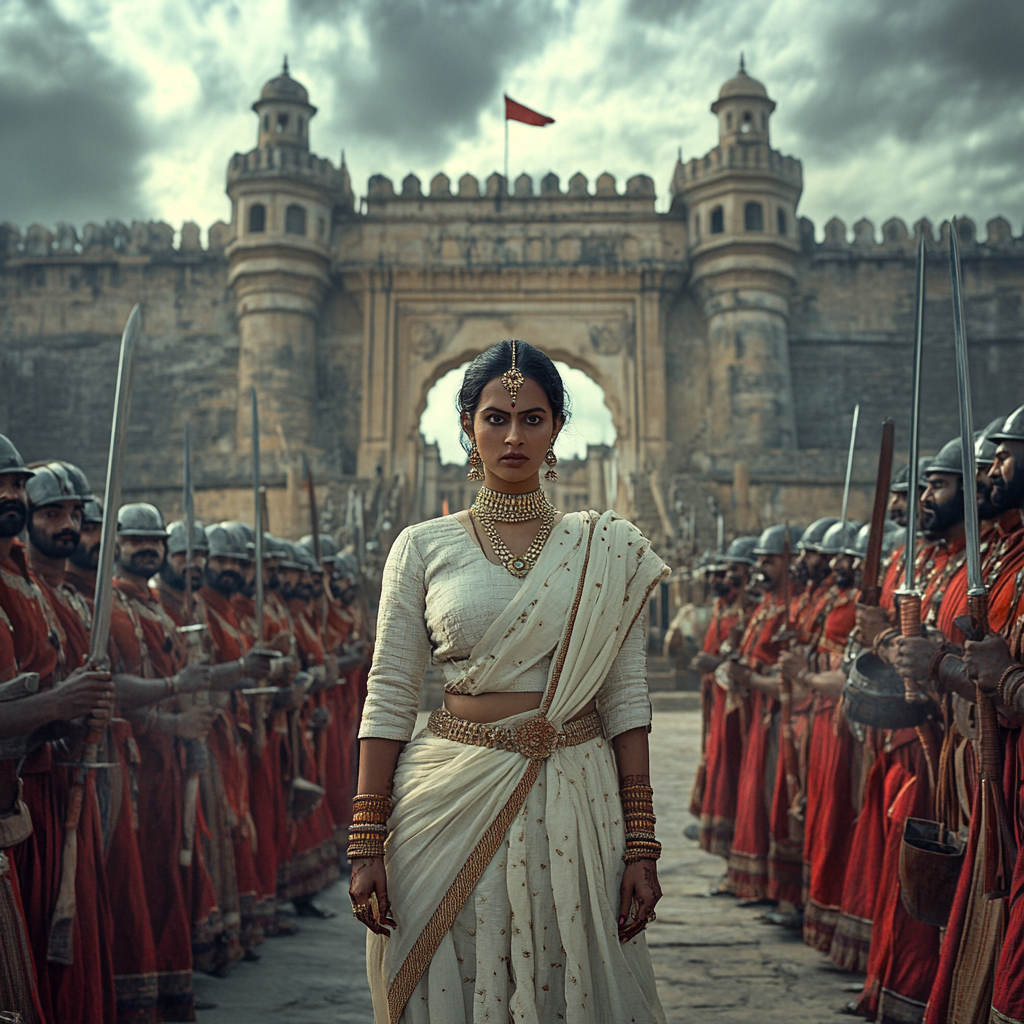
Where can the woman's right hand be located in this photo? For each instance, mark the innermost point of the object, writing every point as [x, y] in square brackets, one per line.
[369, 878]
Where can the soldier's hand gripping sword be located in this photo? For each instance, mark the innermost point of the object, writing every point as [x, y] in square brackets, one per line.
[61, 946]
[1001, 843]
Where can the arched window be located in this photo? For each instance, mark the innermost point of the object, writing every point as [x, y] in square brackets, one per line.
[257, 217]
[717, 221]
[781, 218]
[266, 122]
[696, 225]
[748, 122]
[753, 217]
[282, 123]
[728, 120]
[295, 220]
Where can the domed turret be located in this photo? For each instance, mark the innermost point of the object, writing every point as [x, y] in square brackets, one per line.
[284, 111]
[743, 108]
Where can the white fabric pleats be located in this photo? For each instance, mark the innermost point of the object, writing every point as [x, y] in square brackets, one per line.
[537, 940]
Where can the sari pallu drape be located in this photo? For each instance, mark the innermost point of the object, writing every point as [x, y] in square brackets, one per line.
[454, 804]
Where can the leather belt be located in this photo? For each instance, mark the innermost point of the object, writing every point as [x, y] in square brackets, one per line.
[535, 739]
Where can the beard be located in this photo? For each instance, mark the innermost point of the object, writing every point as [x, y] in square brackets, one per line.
[85, 557]
[59, 545]
[938, 519]
[899, 516]
[986, 506]
[146, 562]
[303, 591]
[721, 588]
[13, 516]
[1007, 494]
[176, 580]
[845, 579]
[227, 582]
[273, 581]
[802, 573]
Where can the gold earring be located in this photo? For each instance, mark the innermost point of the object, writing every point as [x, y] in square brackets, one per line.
[475, 462]
[552, 460]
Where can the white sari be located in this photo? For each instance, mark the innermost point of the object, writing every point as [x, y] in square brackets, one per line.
[504, 872]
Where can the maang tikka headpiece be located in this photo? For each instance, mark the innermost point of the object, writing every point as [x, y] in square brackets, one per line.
[513, 378]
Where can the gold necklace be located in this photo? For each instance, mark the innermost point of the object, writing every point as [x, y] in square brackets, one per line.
[510, 508]
[492, 507]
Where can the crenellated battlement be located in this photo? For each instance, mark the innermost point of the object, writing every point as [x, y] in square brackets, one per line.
[285, 160]
[639, 194]
[897, 241]
[743, 156]
[114, 238]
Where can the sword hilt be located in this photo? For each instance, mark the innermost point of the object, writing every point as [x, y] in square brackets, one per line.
[910, 625]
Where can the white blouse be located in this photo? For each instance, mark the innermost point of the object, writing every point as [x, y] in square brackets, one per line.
[439, 595]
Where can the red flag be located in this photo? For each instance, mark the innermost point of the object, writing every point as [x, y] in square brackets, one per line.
[517, 112]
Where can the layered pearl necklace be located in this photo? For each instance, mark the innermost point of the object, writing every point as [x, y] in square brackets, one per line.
[490, 507]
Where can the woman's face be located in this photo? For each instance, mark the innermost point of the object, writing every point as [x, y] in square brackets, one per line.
[512, 442]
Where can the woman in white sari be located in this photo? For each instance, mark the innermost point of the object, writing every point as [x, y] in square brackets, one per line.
[519, 869]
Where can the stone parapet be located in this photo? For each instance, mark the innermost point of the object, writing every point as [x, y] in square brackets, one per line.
[493, 200]
[897, 242]
[114, 238]
[278, 160]
[752, 158]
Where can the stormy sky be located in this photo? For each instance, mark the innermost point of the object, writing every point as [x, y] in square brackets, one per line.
[132, 108]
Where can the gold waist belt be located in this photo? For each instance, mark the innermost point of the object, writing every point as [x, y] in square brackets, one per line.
[535, 739]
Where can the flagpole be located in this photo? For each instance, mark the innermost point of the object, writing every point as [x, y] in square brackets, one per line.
[508, 190]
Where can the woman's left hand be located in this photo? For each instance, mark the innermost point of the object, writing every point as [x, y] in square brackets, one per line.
[640, 894]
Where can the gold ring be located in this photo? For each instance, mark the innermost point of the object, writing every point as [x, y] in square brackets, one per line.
[359, 908]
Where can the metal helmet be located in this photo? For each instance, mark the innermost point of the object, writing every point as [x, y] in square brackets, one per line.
[275, 546]
[290, 557]
[78, 478]
[984, 446]
[51, 485]
[177, 538]
[772, 540]
[93, 511]
[345, 565]
[11, 460]
[328, 546]
[141, 520]
[245, 537]
[1011, 430]
[741, 549]
[892, 537]
[225, 543]
[839, 537]
[305, 557]
[811, 537]
[948, 459]
[901, 482]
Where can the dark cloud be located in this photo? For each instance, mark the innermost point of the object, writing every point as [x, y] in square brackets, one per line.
[917, 71]
[434, 64]
[663, 12]
[72, 144]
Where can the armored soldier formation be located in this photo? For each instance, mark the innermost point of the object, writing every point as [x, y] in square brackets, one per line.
[862, 767]
[155, 817]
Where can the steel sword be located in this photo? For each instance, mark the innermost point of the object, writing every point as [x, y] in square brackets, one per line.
[258, 519]
[1000, 838]
[849, 460]
[61, 945]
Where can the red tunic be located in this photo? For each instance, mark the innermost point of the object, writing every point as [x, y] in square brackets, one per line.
[228, 742]
[152, 648]
[727, 718]
[748, 857]
[84, 990]
[313, 861]
[831, 813]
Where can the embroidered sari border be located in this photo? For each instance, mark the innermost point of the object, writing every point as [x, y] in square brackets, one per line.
[423, 949]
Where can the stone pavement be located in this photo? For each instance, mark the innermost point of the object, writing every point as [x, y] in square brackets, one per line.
[715, 960]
